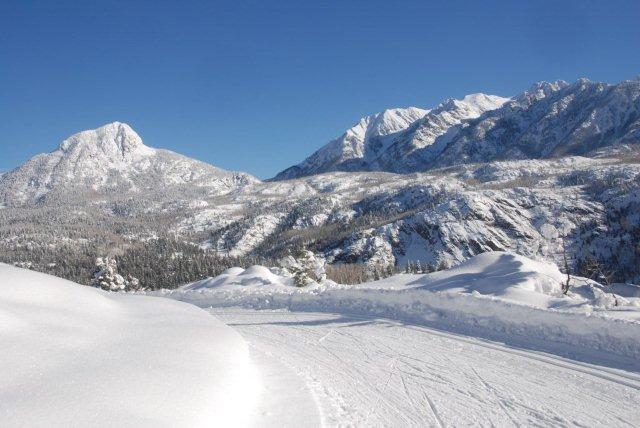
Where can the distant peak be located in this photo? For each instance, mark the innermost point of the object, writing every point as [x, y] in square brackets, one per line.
[476, 101]
[410, 113]
[121, 129]
[112, 138]
[479, 97]
[388, 121]
[540, 90]
[547, 87]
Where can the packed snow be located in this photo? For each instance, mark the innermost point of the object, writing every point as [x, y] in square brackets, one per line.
[369, 371]
[77, 356]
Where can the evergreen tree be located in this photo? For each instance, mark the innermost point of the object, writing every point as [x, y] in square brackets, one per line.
[305, 267]
[106, 276]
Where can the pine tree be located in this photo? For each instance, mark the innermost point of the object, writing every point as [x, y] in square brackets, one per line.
[418, 267]
[305, 267]
[106, 276]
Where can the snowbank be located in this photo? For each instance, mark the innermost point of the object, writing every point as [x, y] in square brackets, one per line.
[74, 355]
[496, 295]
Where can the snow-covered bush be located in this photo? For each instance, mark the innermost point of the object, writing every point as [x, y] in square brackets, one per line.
[23, 265]
[106, 276]
[305, 267]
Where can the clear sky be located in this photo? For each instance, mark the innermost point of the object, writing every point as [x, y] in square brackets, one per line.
[259, 85]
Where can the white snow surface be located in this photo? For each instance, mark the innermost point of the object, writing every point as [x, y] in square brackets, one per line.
[376, 372]
[77, 356]
[491, 342]
[494, 295]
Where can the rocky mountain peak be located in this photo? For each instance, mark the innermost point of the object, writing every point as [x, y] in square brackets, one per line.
[540, 90]
[114, 139]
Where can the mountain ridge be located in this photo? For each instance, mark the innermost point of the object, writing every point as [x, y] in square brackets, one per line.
[549, 119]
[372, 143]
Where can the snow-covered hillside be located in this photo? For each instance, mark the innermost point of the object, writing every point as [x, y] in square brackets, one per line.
[77, 356]
[111, 158]
[533, 207]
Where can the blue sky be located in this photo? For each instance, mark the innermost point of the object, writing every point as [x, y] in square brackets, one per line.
[259, 85]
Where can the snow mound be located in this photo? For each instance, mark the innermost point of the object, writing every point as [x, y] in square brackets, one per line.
[74, 355]
[504, 275]
[250, 278]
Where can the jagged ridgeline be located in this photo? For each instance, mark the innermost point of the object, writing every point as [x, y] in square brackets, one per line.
[552, 171]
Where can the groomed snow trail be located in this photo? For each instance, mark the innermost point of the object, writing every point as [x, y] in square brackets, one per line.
[377, 372]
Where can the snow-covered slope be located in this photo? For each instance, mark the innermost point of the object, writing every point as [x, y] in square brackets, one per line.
[386, 141]
[111, 158]
[77, 356]
[497, 275]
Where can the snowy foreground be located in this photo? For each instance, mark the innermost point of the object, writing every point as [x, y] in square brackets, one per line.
[491, 342]
[76, 356]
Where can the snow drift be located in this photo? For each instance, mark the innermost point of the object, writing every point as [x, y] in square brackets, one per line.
[74, 355]
[497, 295]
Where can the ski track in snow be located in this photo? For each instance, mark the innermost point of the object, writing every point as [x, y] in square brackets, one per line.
[378, 372]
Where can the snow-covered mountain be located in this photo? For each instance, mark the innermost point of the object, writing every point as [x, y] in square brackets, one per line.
[558, 164]
[111, 158]
[548, 120]
[388, 141]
